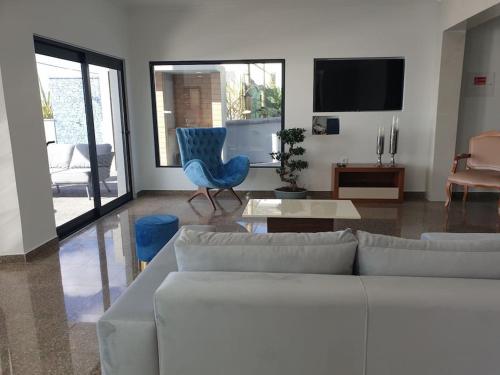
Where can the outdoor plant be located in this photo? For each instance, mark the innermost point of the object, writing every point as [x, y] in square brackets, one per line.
[47, 111]
[291, 164]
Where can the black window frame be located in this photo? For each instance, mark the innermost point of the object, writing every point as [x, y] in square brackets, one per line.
[85, 57]
[152, 65]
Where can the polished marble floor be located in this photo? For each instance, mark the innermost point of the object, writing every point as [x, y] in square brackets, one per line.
[48, 307]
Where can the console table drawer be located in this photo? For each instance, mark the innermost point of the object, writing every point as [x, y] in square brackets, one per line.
[368, 193]
[368, 182]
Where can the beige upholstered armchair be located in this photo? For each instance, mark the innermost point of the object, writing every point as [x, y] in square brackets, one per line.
[482, 165]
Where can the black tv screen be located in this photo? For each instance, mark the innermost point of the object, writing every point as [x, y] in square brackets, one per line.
[351, 85]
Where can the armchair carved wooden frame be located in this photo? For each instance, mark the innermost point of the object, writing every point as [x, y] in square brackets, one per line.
[482, 166]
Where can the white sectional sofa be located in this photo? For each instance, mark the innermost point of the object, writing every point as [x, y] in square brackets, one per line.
[219, 304]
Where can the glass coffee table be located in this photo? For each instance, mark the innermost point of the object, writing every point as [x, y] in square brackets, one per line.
[300, 215]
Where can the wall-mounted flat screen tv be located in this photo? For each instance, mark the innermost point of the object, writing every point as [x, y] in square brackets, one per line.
[352, 85]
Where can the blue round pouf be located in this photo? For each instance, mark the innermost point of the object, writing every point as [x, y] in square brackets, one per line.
[152, 233]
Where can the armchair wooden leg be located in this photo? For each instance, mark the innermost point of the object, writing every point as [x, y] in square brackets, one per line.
[206, 192]
[203, 191]
[195, 194]
[218, 192]
[235, 195]
[466, 192]
[449, 187]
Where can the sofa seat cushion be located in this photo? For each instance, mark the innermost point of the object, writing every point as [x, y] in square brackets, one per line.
[393, 256]
[313, 253]
[72, 176]
[127, 330]
[486, 178]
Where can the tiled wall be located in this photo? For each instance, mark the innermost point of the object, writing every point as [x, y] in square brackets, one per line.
[197, 99]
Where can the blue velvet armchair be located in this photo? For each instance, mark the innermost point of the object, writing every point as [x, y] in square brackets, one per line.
[201, 150]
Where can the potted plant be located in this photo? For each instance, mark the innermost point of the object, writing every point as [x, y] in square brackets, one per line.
[291, 164]
[48, 116]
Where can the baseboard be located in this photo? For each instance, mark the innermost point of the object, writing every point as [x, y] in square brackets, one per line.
[187, 193]
[410, 195]
[18, 258]
[48, 248]
[143, 193]
[477, 196]
[415, 196]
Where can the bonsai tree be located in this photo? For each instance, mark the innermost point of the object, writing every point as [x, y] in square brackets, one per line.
[291, 164]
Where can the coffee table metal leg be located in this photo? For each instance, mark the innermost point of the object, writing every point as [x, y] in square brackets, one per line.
[299, 225]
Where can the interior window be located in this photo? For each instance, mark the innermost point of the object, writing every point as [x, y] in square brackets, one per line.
[245, 98]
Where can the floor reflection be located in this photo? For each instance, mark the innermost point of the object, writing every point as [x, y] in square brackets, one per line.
[48, 308]
[97, 268]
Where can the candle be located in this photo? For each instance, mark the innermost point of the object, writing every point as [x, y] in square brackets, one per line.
[380, 141]
[393, 141]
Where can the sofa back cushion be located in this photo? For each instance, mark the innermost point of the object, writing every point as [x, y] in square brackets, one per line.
[380, 255]
[484, 151]
[60, 155]
[81, 156]
[448, 236]
[313, 253]
[105, 160]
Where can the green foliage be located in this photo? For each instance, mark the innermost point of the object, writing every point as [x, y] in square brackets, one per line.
[291, 165]
[248, 100]
[47, 111]
[272, 102]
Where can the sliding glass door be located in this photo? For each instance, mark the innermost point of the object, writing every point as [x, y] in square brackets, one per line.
[65, 125]
[107, 110]
[83, 106]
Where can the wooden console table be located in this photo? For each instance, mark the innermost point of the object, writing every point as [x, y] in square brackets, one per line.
[368, 182]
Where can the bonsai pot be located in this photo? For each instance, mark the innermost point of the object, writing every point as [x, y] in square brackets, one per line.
[286, 193]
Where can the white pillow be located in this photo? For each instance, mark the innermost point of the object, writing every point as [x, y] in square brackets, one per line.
[81, 156]
[380, 255]
[313, 253]
[60, 155]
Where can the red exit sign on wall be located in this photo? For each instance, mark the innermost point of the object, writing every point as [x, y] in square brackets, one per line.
[480, 80]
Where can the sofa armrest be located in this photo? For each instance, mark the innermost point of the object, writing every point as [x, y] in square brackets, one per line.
[214, 323]
[199, 174]
[127, 330]
[239, 164]
[456, 159]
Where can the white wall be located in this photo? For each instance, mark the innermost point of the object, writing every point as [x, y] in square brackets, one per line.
[445, 132]
[11, 239]
[455, 11]
[455, 16]
[297, 34]
[479, 106]
[94, 24]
